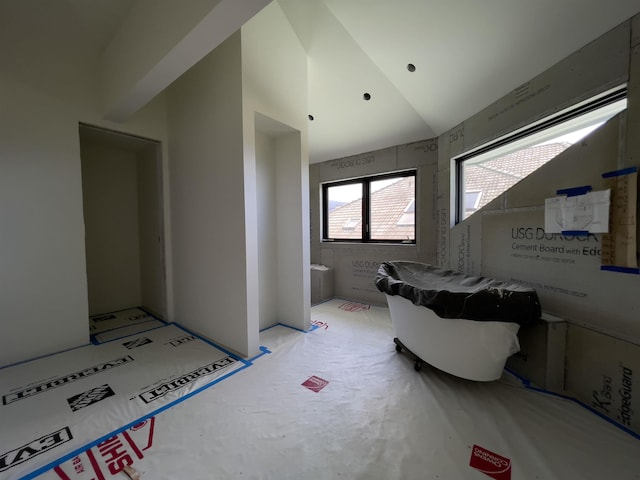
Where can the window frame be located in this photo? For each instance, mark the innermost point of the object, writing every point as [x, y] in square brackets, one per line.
[574, 112]
[366, 207]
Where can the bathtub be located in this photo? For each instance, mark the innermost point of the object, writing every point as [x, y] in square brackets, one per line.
[466, 326]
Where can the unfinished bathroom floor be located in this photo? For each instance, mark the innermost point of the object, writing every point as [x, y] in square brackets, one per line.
[340, 402]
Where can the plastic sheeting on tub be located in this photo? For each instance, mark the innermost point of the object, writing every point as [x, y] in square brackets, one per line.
[455, 295]
[466, 326]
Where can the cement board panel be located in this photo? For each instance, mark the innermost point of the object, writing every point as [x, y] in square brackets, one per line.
[595, 68]
[466, 246]
[601, 372]
[581, 164]
[370, 163]
[356, 268]
[565, 270]
[418, 154]
[427, 192]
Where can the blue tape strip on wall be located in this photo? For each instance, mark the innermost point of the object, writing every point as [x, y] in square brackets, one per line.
[572, 192]
[618, 173]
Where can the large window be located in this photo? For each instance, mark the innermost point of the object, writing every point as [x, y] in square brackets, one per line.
[486, 172]
[371, 209]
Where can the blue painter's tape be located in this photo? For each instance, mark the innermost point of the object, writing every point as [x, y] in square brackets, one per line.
[527, 384]
[524, 381]
[228, 352]
[618, 173]
[613, 268]
[572, 192]
[575, 233]
[264, 350]
[92, 444]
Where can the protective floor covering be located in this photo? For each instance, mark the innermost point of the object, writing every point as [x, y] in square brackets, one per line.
[339, 402]
[126, 331]
[60, 404]
[115, 320]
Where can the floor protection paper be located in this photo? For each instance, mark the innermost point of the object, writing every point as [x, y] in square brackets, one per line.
[126, 331]
[114, 320]
[58, 405]
[340, 402]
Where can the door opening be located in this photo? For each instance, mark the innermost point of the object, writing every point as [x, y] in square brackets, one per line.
[124, 229]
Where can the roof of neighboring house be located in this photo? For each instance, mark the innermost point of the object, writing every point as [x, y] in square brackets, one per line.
[497, 175]
[393, 207]
[389, 221]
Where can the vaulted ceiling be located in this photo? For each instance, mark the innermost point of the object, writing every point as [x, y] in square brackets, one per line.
[466, 53]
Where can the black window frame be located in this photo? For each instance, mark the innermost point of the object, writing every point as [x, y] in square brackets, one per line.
[616, 94]
[366, 208]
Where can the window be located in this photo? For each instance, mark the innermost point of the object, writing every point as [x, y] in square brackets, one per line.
[371, 209]
[485, 173]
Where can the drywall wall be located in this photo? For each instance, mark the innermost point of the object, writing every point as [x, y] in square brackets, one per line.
[112, 241]
[274, 75]
[355, 265]
[44, 298]
[292, 204]
[215, 190]
[44, 304]
[207, 198]
[153, 285]
[157, 41]
[267, 222]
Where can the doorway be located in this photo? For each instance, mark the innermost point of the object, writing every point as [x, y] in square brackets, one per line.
[124, 228]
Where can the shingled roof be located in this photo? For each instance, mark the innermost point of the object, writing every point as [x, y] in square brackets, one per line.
[392, 214]
[393, 207]
[493, 177]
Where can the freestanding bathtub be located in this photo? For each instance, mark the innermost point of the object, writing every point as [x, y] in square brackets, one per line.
[466, 326]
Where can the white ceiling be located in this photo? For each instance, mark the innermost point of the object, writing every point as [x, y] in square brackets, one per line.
[467, 54]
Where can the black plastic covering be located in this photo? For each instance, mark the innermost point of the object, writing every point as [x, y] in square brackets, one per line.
[455, 295]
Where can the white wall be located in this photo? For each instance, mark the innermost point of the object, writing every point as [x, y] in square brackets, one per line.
[274, 73]
[43, 278]
[43, 294]
[153, 284]
[110, 199]
[207, 198]
[267, 219]
[294, 282]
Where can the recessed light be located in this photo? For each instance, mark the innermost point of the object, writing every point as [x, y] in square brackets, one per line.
[411, 67]
[367, 96]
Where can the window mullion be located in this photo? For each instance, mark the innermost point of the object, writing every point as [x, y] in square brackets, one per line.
[366, 230]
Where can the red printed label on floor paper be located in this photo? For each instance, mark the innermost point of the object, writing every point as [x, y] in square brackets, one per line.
[319, 324]
[490, 463]
[109, 458]
[354, 307]
[315, 383]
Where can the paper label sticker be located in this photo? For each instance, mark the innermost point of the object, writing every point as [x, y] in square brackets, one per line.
[489, 463]
[315, 384]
